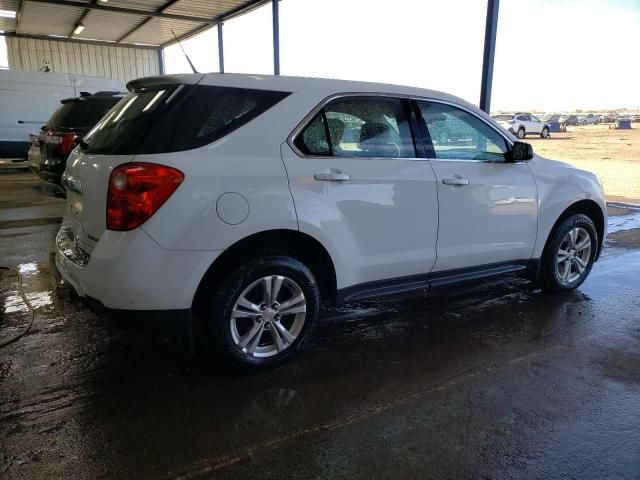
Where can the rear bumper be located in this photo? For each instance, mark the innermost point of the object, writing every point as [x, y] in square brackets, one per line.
[176, 322]
[130, 271]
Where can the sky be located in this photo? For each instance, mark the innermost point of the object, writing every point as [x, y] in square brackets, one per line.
[551, 55]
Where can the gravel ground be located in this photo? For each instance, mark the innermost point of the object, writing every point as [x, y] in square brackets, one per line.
[613, 155]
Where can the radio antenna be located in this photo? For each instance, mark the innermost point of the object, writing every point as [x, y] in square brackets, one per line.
[185, 53]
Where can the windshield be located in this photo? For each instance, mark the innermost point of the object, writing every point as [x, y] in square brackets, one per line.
[173, 118]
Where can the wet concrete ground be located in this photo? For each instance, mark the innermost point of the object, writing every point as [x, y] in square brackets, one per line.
[496, 380]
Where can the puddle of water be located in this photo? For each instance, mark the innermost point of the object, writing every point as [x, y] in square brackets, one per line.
[629, 221]
[14, 303]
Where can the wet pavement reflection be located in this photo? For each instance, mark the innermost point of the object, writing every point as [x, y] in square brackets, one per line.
[495, 380]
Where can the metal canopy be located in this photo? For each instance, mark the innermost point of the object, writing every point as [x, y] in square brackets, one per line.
[150, 23]
[139, 22]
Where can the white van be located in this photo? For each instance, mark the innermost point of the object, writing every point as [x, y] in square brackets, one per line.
[29, 98]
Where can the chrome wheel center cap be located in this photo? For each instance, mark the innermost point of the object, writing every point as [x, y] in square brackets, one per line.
[268, 315]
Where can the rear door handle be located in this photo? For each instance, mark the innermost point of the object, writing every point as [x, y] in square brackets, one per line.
[332, 176]
[457, 181]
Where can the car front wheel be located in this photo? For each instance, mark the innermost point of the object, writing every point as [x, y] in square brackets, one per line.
[263, 314]
[569, 254]
[521, 133]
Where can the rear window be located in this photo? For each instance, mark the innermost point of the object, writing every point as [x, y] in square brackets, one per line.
[173, 118]
[67, 116]
[79, 114]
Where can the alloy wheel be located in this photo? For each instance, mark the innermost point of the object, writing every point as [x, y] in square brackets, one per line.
[268, 316]
[573, 255]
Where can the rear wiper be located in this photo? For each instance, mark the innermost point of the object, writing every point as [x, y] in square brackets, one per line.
[83, 145]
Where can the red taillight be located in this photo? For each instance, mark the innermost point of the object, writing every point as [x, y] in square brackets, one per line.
[137, 191]
[64, 142]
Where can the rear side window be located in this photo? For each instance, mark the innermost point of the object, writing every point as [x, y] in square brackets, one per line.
[374, 127]
[313, 139]
[173, 118]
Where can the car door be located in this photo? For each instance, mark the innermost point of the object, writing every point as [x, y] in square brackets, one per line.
[536, 124]
[359, 187]
[487, 205]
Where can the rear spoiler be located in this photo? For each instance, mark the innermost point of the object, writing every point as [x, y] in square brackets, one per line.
[84, 95]
[140, 84]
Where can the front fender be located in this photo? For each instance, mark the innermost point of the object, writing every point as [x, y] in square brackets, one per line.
[559, 187]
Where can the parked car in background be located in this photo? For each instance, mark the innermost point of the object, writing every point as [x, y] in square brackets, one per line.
[572, 120]
[71, 121]
[635, 118]
[28, 99]
[273, 193]
[609, 118]
[591, 119]
[522, 124]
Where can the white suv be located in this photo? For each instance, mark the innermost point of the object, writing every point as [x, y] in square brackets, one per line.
[237, 202]
[522, 124]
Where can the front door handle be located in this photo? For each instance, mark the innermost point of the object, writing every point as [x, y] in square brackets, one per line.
[332, 176]
[456, 181]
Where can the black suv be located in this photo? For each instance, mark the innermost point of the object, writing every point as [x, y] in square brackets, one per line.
[72, 120]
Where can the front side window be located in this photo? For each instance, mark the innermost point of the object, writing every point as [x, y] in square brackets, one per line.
[374, 127]
[458, 135]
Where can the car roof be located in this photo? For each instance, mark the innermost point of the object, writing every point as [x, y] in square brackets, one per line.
[290, 84]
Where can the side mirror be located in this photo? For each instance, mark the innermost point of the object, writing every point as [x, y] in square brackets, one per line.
[521, 152]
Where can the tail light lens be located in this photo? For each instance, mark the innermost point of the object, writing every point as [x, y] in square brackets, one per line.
[136, 191]
[64, 142]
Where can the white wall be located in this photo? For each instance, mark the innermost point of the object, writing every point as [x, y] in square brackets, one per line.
[119, 63]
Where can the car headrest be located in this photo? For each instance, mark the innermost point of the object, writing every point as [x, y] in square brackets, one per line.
[372, 130]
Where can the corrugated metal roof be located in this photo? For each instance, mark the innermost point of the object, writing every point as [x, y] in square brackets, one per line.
[50, 19]
[103, 22]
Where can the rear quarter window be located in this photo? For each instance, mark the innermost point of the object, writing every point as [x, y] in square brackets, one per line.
[173, 118]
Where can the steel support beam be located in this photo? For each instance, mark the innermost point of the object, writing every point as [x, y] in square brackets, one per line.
[81, 18]
[276, 37]
[241, 10]
[20, 16]
[129, 11]
[146, 20]
[490, 31]
[220, 49]
[73, 40]
[161, 61]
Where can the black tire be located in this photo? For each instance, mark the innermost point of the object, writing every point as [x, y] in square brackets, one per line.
[521, 133]
[544, 133]
[549, 278]
[219, 337]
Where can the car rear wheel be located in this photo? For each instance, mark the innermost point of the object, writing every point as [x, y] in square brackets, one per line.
[263, 314]
[521, 133]
[569, 254]
[545, 132]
